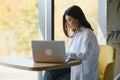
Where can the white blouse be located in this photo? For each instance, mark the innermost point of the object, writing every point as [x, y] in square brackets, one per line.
[84, 46]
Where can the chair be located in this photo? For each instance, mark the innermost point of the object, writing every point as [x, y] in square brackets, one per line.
[106, 62]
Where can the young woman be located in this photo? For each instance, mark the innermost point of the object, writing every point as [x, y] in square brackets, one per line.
[82, 45]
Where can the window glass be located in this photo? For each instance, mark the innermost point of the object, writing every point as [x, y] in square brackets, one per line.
[18, 26]
[89, 7]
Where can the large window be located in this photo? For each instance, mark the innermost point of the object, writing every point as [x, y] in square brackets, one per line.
[18, 26]
[90, 8]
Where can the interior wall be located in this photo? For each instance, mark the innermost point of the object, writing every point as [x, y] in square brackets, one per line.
[113, 24]
[113, 19]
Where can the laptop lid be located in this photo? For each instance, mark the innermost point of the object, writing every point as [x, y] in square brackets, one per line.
[48, 51]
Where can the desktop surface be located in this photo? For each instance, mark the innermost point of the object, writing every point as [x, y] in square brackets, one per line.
[27, 63]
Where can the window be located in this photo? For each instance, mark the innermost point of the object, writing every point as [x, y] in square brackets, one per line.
[18, 26]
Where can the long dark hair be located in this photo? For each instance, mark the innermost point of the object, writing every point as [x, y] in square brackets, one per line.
[77, 13]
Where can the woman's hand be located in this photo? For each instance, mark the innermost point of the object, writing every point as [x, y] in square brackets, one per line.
[70, 56]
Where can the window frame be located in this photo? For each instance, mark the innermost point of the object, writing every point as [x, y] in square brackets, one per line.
[46, 19]
[46, 22]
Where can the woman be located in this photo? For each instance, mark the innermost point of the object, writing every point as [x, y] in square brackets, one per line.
[82, 45]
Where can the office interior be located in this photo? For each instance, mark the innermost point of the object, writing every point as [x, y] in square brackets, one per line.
[24, 20]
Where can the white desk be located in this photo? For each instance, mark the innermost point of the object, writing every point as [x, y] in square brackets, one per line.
[27, 63]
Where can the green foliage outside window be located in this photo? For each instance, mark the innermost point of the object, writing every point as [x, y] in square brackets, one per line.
[18, 26]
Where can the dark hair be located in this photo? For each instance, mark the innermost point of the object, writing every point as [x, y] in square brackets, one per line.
[77, 13]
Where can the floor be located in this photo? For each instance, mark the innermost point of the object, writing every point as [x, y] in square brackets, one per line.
[16, 74]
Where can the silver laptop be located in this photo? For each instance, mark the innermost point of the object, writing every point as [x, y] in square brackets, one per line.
[48, 51]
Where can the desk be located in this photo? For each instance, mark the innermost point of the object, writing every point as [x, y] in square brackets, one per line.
[26, 63]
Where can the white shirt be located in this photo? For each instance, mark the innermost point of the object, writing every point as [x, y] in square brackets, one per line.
[84, 46]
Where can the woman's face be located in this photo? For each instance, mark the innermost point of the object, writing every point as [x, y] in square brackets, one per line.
[72, 23]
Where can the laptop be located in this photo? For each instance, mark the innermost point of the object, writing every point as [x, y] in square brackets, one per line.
[48, 51]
